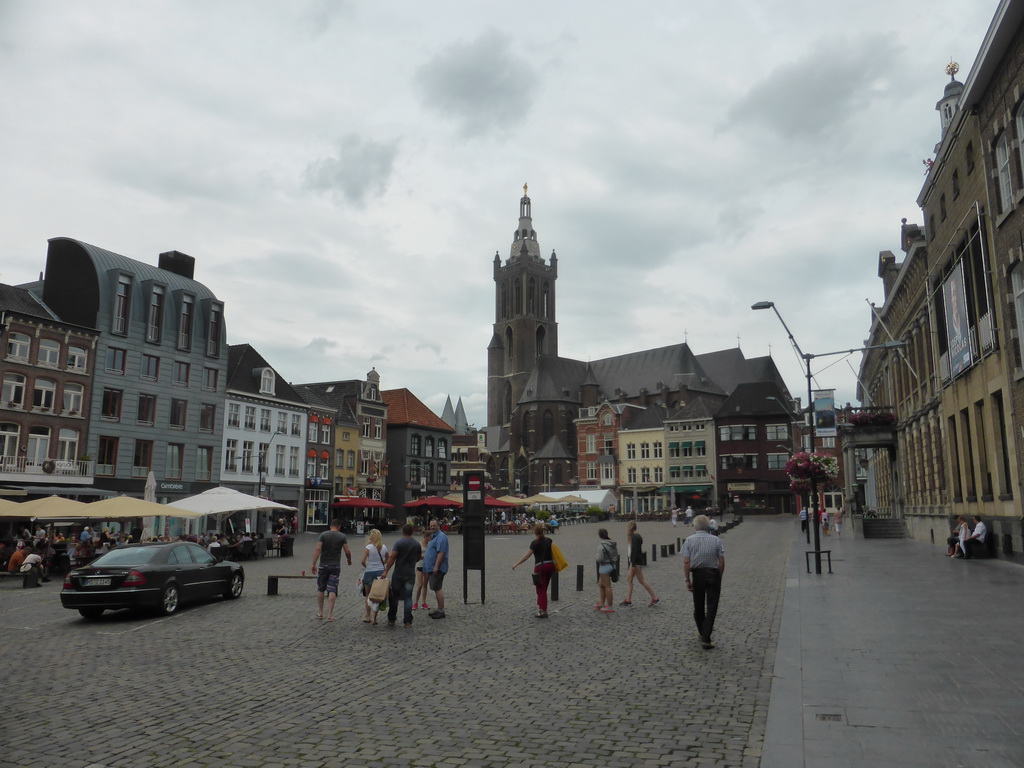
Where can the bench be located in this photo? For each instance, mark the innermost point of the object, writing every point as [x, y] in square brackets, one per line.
[272, 581]
[28, 579]
[826, 552]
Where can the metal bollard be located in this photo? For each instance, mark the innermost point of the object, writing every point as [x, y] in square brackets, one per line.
[671, 550]
[654, 553]
[664, 550]
[554, 587]
[679, 544]
[579, 578]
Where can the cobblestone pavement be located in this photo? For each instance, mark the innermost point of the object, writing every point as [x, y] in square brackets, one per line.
[261, 682]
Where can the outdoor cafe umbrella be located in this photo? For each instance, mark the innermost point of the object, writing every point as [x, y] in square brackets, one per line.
[221, 500]
[489, 501]
[540, 498]
[126, 506]
[433, 501]
[49, 508]
[358, 502]
[513, 500]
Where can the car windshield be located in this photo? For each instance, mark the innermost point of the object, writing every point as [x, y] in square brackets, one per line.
[127, 556]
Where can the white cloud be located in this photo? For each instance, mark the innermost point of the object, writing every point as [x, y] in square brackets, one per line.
[343, 173]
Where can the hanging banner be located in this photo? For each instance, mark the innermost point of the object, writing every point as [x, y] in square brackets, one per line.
[825, 412]
[958, 340]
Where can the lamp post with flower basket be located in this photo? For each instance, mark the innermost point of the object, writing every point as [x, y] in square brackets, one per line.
[814, 466]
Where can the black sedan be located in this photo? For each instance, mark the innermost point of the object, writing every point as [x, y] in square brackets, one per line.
[160, 576]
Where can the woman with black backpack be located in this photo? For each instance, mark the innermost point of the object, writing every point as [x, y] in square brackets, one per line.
[607, 571]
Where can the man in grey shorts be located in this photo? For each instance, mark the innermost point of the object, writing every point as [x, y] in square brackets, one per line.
[328, 551]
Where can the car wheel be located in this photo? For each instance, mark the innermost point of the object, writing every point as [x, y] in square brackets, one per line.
[169, 600]
[91, 613]
[234, 590]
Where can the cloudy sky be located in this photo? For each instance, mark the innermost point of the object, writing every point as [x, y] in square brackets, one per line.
[344, 172]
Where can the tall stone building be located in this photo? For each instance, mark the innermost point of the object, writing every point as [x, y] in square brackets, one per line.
[957, 301]
[537, 399]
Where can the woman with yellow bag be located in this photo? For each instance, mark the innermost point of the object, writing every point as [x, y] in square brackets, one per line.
[542, 549]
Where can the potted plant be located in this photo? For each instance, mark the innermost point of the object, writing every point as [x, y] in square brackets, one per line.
[812, 467]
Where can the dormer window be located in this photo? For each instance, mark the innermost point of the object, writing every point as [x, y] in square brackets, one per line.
[371, 392]
[267, 382]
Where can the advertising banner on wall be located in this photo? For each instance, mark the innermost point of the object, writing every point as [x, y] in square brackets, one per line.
[958, 339]
[825, 412]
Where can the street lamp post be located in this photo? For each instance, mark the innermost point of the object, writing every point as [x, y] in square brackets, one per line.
[807, 357]
[792, 450]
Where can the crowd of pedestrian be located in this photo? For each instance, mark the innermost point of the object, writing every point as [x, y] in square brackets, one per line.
[414, 568]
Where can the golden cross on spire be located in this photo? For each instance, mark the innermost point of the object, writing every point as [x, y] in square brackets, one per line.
[952, 68]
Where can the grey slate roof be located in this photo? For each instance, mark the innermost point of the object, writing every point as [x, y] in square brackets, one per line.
[556, 379]
[553, 449]
[651, 417]
[242, 360]
[729, 368]
[698, 408]
[17, 299]
[754, 399]
[105, 260]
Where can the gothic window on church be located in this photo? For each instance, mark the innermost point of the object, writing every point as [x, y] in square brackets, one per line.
[507, 407]
[546, 301]
[509, 349]
[517, 296]
[548, 426]
[504, 300]
[541, 337]
[558, 474]
[531, 297]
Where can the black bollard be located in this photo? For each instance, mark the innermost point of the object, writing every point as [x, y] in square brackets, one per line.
[679, 544]
[554, 587]
[664, 550]
[654, 553]
[579, 578]
[671, 549]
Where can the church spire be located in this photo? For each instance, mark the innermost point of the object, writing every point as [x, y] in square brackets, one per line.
[524, 241]
[950, 100]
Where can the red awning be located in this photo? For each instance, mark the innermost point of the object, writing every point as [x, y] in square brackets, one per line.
[356, 502]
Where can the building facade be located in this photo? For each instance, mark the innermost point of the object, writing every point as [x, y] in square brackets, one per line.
[418, 449]
[159, 365]
[47, 382]
[360, 401]
[264, 433]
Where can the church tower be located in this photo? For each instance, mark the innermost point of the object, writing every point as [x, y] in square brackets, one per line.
[524, 317]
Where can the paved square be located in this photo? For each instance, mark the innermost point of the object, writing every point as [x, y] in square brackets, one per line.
[261, 682]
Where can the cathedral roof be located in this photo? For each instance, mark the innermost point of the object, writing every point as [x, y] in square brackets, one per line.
[553, 449]
[556, 379]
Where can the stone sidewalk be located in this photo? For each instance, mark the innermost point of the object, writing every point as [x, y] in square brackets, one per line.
[260, 682]
[902, 657]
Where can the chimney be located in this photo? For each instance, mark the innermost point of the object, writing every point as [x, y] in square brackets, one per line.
[179, 263]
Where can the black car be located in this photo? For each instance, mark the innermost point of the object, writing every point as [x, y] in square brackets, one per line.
[159, 575]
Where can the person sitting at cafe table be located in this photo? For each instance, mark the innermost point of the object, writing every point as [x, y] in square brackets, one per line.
[33, 562]
[17, 558]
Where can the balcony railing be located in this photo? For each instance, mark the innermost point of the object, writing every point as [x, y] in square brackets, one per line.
[21, 465]
[866, 418]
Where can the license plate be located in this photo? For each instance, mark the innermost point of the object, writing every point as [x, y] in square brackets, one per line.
[99, 582]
